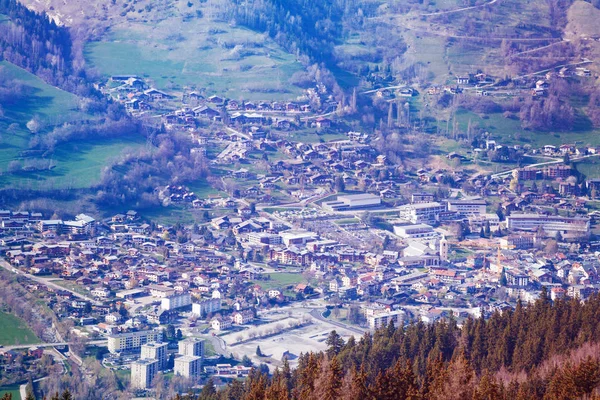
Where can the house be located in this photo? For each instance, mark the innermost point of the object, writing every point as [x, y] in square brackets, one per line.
[220, 324]
[323, 123]
[242, 317]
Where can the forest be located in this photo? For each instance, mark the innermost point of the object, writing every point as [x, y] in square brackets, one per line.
[547, 350]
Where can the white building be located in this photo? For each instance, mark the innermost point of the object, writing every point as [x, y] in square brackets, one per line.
[549, 223]
[422, 212]
[176, 301]
[188, 366]
[132, 340]
[379, 320]
[220, 324]
[155, 351]
[192, 347]
[142, 373]
[297, 237]
[161, 292]
[270, 239]
[415, 231]
[468, 207]
[205, 307]
[352, 201]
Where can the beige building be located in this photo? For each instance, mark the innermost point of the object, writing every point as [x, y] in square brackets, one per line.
[192, 347]
[142, 373]
[132, 340]
[155, 351]
[188, 366]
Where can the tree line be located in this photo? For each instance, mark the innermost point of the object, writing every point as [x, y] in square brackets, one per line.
[548, 350]
[35, 43]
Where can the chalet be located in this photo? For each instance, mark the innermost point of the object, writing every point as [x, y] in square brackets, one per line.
[323, 123]
[216, 100]
[205, 112]
[156, 95]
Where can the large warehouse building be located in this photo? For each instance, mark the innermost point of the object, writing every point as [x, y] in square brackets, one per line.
[352, 201]
[550, 223]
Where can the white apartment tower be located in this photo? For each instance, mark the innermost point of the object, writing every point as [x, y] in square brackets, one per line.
[142, 373]
[192, 347]
[155, 351]
[188, 366]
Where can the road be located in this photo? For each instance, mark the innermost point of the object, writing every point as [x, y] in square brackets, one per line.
[554, 161]
[318, 314]
[102, 342]
[47, 282]
[219, 345]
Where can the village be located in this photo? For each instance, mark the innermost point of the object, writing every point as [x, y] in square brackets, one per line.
[304, 237]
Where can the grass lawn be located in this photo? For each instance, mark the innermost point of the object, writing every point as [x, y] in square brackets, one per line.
[509, 131]
[281, 280]
[77, 164]
[71, 286]
[590, 167]
[230, 61]
[13, 390]
[14, 331]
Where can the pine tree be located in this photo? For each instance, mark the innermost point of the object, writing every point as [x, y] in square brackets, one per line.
[356, 386]
[329, 384]
[209, 391]
[335, 343]
[487, 389]
[306, 380]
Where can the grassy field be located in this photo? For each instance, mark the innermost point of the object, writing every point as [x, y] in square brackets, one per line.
[225, 60]
[509, 131]
[15, 331]
[13, 390]
[590, 167]
[77, 164]
[281, 280]
[51, 105]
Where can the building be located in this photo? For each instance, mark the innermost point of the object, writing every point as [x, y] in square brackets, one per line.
[527, 174]
[415, 231]
[467, 207]
[161, 292]
[297, 237]
[132, 340]
[516, 278]
[352, 201]
[192, 347]
[188, 366]
[557, 171]
[155, 351]
[176, 301]
[379, 320]
[205, 307]
[422, 212]
[515, 241]
[220, 324]
[142, 373]
[243, 317]
[416, 198]
[270, 239]
[549, 223]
